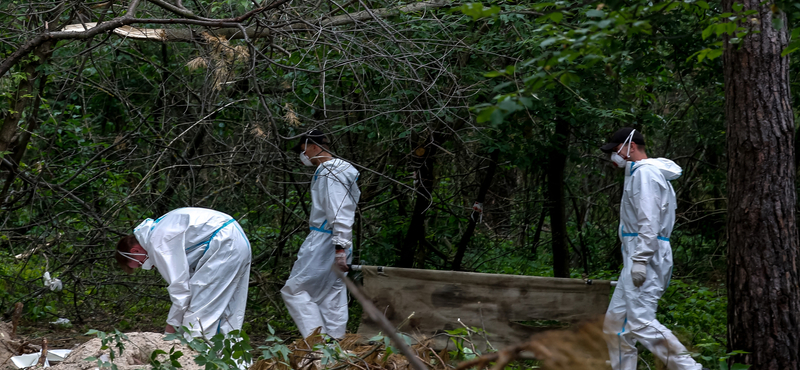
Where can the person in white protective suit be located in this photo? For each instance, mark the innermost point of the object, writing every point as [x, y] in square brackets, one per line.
[314, 295]
[204, 256]
[647, 216]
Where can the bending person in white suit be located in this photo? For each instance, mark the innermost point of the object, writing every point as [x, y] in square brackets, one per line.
[313, 294]
[647, 216]
[204, 256]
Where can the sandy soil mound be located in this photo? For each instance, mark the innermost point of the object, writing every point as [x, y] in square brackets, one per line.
[5, 350]
[11, 347]
[137, 352]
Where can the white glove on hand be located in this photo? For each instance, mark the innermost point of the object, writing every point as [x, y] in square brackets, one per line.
[638, 273]
[341, 260]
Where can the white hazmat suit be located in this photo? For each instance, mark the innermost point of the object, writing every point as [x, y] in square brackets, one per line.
[204, 256]
[313, 294]
[647, 216]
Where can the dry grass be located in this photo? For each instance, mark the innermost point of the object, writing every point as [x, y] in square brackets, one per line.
[221, 59]
[360, 356]
[582, 347]
[290, 116]
[579, 348]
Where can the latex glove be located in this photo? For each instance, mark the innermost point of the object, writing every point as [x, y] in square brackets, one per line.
[341, 259]
[638, 273]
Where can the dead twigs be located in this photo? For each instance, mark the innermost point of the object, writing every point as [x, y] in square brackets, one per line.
[580, 348]
[15, 319]
[43, 356]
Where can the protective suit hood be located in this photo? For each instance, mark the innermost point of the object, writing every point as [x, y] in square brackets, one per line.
[142, 233]
[668, 168]
[204, 256]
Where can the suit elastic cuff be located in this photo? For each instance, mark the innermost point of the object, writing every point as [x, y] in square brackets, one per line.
[344, 243]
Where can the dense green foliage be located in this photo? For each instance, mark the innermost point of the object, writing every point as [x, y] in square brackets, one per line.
[123, 129]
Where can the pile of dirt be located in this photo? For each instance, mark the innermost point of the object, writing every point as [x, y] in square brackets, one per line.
[136, 355]
[6, 349]
[5, 335]
[10, 346]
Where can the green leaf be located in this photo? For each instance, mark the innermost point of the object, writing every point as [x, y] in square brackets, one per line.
[777, 22]
[548, 42]
[201, 360]
[791, 48]
[488, 12]
[737, 7]
[594, 13]
[700, 55]
[708, 31]
[672, 6]
[556, 16]
[497, 117]
[493, 74]
[541, 6]
[714, 53]
[485, 114]
[509, 105]
[377, 337]
[172, 336]
[503, 85]
[721, 29]
[477, 10]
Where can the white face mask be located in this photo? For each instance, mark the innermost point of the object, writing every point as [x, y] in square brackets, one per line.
[146, 265]
[620, 162]
[304, 158]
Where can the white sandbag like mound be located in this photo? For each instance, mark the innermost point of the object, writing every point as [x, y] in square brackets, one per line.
[137, 352]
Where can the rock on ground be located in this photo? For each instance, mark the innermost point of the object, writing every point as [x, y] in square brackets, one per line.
[136, 355]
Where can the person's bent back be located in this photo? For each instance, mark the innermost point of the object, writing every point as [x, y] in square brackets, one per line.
[204, 256]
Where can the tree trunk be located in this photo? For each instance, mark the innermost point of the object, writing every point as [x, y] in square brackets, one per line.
[537, 235]
[23, 96]
[461, 247]
[24, 138]
[416, 230]
[555, 193]
[763, 296]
